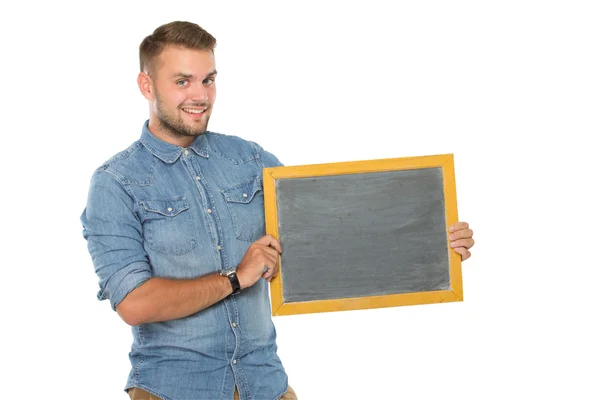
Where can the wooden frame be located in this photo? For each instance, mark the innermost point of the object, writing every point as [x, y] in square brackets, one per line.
[444, 161]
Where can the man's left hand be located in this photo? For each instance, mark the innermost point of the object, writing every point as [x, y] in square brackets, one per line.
[461, 239]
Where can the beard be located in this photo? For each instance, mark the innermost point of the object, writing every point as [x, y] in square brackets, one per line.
[174, 124]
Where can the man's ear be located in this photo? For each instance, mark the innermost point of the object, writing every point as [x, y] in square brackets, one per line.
[146, 87]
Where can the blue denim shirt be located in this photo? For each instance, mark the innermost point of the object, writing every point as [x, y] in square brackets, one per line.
[159, 210]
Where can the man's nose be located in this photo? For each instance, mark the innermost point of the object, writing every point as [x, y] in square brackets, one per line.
[200, 93]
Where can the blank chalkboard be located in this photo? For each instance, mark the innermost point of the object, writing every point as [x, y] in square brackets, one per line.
[363, 234]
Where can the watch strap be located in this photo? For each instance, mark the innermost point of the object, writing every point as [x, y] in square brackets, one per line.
[233, 279]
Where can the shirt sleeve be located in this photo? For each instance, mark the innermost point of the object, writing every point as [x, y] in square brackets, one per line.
[114, 238]
[267, 159]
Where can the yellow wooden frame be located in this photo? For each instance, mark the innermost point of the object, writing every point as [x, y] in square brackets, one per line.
[445, 161]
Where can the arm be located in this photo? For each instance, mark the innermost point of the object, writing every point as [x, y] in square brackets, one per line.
[115, 242]
[160, 299]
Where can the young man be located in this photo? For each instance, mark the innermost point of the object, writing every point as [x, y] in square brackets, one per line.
[175, 227]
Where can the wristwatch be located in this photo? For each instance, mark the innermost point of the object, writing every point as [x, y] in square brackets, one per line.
[233, 279]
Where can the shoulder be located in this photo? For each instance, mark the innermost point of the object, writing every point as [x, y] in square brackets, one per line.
[233, 148]
[240, 150]
[134, 165]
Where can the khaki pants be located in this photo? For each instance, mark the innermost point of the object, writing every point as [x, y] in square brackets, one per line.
[139, 394]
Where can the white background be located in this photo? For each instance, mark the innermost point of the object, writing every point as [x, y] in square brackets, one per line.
[511, 88]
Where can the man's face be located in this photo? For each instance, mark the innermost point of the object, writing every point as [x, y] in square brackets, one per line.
[184, 91]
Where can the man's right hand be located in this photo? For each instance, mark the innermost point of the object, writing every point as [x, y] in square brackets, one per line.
[260, 261]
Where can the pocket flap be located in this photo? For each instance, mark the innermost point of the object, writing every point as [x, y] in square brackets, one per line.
[169, 208]
[242, 192]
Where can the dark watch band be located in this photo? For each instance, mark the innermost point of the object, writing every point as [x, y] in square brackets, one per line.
[233, 279]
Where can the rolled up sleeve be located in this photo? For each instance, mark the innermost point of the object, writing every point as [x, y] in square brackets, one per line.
[114, 237]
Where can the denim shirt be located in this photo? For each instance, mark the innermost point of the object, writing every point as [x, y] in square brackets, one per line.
[159, 210]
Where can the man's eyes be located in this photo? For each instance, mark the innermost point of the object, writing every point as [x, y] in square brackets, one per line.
[186, 82]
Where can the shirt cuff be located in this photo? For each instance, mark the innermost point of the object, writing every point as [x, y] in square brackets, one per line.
[124, 281]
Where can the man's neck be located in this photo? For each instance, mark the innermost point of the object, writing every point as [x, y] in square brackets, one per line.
[166, 135]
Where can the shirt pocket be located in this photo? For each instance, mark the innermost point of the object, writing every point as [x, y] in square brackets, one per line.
[246, 205]
[168, 226]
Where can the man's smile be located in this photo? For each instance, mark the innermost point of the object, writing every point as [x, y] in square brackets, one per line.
[194, 111]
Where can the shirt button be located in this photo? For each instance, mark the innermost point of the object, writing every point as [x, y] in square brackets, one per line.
[169, 209]
[218, 247]
[186, 152]
[234, 325]
[245, 195]
[197, 178]
[209, 211]
[234, 362]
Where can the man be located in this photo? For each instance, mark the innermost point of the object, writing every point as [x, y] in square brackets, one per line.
[175, 227]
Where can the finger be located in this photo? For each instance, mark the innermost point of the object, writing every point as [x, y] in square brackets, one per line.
[267, 276]
[270, 258]
[269, 263]
[270, 241]
[467, 256]
[271, 272]
[270, 268]
[461, 234]
[271, 252]
[464, 253]
[466, 243]
[458, 226]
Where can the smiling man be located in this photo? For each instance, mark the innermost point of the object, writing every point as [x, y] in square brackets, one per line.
[176, 230]
[179, 83]
[175, 227]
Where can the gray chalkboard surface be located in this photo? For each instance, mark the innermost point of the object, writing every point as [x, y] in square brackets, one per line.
[362, 235]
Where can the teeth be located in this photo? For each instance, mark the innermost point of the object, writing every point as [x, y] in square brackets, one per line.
[189, 110]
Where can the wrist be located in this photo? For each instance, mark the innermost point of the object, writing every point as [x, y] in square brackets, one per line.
[231, 275]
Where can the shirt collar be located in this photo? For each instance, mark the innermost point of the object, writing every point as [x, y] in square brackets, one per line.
[168, 152]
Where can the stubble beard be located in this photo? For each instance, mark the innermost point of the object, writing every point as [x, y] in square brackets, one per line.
[174, 124]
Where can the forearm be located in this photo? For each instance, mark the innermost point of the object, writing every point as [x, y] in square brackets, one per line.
[160, 299]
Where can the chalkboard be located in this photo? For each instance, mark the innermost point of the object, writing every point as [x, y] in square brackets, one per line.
[363, 234]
